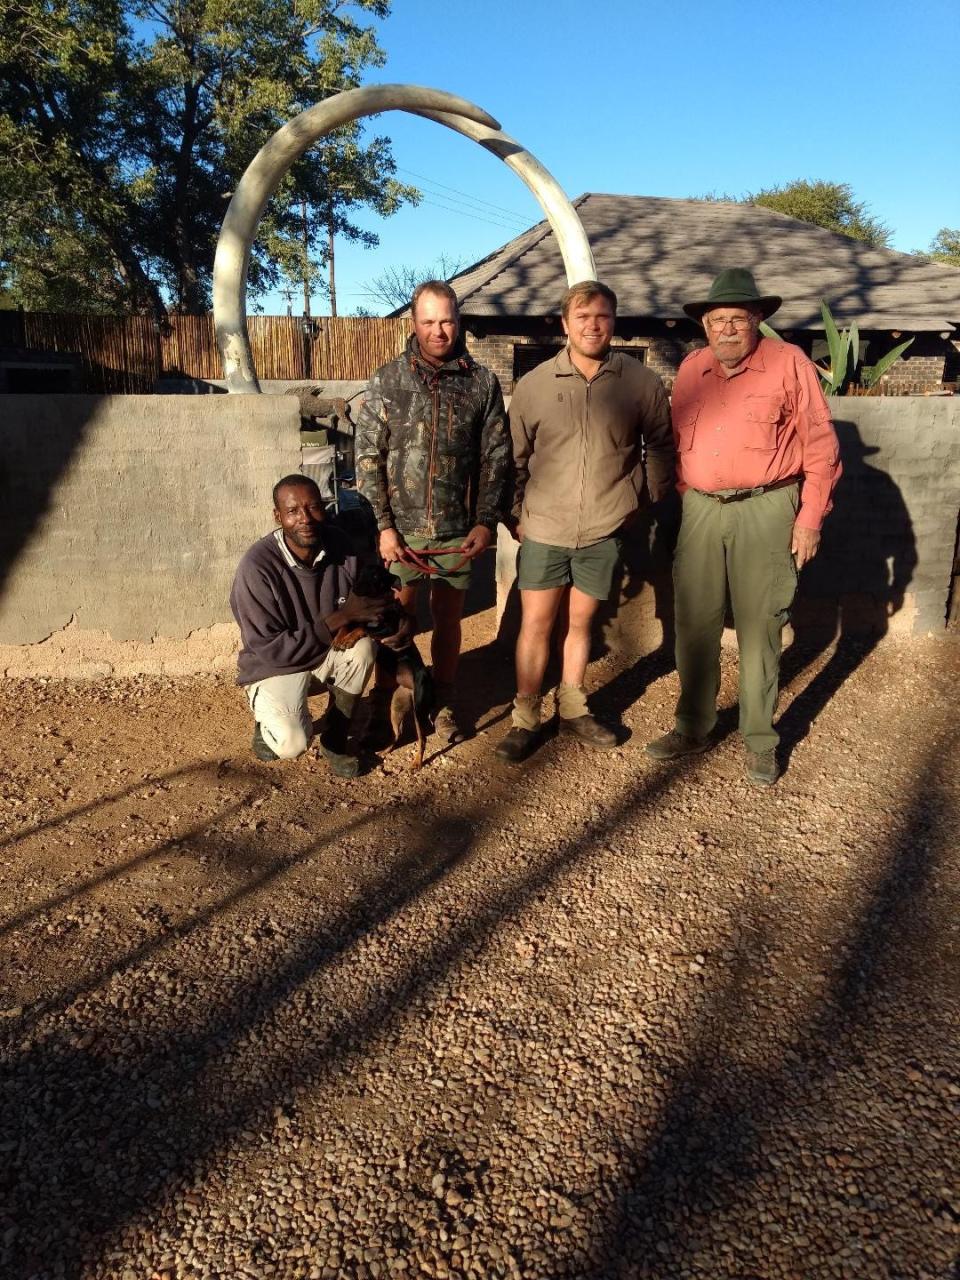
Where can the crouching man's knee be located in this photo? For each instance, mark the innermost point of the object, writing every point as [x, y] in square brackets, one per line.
[286, 740]
[352, 667]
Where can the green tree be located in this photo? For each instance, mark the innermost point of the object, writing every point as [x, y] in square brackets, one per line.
[945, 246]
[825, 204]
[125, 125]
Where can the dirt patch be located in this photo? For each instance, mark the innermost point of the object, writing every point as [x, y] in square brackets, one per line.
[593, 1017]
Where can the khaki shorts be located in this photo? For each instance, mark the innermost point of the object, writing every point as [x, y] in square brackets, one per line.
[589, 569]
[408, 573]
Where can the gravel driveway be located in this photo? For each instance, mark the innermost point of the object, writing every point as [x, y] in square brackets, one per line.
[594, 1017]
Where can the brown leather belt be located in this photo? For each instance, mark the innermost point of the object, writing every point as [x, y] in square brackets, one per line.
[748, 493]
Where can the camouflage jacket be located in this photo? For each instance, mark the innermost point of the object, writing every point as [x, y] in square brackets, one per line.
[433, 450]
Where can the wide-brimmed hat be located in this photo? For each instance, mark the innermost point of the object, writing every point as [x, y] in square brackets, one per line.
[734, 287]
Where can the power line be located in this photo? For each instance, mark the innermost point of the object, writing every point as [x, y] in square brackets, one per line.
[504, 226]
[511, 213]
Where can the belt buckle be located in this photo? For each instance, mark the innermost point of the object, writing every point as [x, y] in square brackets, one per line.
[755, 492]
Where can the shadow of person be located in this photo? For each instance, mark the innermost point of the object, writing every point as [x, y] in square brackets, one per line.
[853, 587]
[629, 620]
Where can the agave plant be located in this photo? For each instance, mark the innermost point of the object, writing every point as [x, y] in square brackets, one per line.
[870, 374]
[843, 348]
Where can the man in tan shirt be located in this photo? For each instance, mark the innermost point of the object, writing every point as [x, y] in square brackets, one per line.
[581, 424]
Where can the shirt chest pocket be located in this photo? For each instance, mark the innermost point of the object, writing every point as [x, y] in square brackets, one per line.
[761, 418]
[686, 423]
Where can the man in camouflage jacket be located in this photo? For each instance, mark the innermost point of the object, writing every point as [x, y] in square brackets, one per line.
[434, 461]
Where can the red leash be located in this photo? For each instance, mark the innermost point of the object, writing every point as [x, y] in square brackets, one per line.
[414, 557]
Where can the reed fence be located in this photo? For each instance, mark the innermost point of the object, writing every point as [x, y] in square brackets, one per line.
[128, 354]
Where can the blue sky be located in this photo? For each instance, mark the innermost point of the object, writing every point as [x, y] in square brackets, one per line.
[678, 99]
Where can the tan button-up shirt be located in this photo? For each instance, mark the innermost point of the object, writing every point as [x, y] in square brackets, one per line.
[580, 447]
[767, 422]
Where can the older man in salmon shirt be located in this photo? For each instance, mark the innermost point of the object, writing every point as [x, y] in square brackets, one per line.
[757, 461]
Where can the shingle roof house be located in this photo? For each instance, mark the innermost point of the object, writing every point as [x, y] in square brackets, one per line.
[659, 253]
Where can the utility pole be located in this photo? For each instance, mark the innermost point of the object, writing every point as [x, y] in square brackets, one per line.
[333, 278]
[306, 258]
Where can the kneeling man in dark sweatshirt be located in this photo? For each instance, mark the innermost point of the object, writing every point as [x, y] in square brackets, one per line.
[292, 592]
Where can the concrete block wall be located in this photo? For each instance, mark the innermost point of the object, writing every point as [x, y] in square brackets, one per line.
[888, 545]
[125, 517]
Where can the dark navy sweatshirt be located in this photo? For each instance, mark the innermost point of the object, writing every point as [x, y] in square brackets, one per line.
[280, 603]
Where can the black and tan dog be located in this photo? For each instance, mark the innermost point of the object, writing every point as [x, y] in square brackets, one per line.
[413, 697]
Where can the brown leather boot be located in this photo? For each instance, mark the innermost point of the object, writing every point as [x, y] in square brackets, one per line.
[591, 731]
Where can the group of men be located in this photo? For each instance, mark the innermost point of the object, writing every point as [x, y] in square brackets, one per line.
[590, 442]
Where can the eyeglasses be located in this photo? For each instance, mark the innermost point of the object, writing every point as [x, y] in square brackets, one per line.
[739, 323]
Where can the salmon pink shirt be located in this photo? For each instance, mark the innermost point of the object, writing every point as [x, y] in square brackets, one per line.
[767, 422]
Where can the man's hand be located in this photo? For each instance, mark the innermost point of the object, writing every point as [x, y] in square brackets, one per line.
[804, 545]
[476, 541]
[364, 610]
[402, 636]
[392, 547]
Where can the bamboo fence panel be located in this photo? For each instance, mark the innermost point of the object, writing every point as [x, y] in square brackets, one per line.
[116, 354]
[353, 347]
[127, 354]
[277, 347]
[188, 348]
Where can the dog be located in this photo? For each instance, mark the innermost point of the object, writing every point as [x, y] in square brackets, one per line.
[413, 696]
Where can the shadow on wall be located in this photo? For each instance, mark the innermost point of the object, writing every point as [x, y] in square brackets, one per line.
[31, 466]
[856, 584]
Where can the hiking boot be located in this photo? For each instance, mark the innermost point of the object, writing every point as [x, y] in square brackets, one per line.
[762, 768]
[673, 745]
[378, 732]
[591, 731]
[260, 748]
[342, 764]
[446, 725]
[518, 744]
[335, 730]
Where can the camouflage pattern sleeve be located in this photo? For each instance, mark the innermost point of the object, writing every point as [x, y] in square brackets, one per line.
[370, 451]
[494, 490]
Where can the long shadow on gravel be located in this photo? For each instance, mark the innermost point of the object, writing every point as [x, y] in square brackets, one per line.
[108, 874]
[103, 1133]
[731, 1139]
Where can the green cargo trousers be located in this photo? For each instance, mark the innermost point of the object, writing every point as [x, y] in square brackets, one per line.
[741, 548]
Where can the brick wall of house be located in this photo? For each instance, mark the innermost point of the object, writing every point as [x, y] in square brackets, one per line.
[928, 364]
[496, 351]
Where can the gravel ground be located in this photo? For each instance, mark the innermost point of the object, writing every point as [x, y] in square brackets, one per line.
[590, 1018]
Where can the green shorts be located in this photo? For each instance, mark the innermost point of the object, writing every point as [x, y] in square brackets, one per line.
[408, 573]
[589, 569]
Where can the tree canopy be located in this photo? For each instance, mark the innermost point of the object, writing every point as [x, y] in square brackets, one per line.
[126, 124]
[945, 246]
[825, 204]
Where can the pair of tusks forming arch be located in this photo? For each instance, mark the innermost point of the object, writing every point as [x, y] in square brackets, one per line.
[266, 171]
